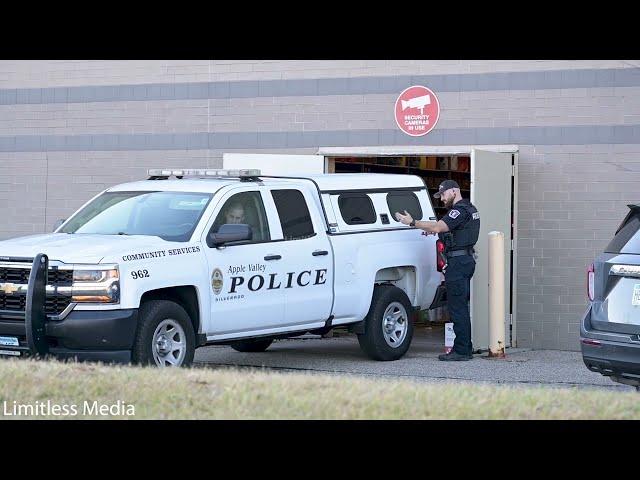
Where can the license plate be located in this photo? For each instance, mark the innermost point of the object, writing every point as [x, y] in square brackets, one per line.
[13, 353]
[9, 341]
[636, 295]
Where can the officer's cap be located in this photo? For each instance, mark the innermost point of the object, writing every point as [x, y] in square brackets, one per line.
[444, 186]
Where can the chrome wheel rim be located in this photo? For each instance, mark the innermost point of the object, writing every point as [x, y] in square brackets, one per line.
[395, 323]
[169, 344]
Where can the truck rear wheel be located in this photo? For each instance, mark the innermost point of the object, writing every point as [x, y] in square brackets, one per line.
[165, 336]
[388, 325]
[252, 345]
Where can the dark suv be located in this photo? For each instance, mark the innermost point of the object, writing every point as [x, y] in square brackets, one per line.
[610, 329]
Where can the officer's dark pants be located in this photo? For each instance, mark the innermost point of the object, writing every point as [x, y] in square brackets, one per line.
[457, 278]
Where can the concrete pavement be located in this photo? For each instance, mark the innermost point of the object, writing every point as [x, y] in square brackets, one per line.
[341, 355]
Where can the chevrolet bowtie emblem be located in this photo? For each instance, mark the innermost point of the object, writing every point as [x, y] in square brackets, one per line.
[9, 288]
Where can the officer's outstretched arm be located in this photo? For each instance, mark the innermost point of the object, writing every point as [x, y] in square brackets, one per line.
[429, 227]
[433, 227]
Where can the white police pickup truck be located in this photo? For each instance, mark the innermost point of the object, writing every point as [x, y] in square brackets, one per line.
[148, 271]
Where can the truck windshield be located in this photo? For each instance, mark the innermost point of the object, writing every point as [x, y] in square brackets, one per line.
[172, 216]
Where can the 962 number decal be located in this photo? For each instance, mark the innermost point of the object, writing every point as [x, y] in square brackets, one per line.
[136, 274]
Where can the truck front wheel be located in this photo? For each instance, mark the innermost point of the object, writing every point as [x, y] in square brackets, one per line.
[165, 335]
[388, 325]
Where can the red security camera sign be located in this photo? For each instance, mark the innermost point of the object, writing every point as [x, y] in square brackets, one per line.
[417, 111]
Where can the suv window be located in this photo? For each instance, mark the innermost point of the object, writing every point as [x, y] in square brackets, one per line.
[356, 209]
[401, 201]
[245, 208]
[294, 214]
[627, 240]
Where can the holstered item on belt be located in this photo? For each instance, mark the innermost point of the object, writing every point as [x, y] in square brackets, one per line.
[447, 238]
[459, 253]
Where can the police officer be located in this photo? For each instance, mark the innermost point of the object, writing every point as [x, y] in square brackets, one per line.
[459, 230]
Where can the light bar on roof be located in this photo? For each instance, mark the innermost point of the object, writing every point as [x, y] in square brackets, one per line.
[202, 172]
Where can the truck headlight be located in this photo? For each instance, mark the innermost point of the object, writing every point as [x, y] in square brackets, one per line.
[96, 285]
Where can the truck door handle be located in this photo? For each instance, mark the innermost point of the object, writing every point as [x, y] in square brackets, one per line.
[317, 253]
[273, 257]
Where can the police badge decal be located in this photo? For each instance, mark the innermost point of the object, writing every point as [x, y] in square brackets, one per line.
[216, 281]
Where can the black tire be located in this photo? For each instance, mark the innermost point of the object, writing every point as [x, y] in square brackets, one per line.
[373, 342]
[259, 345]
[150, 316]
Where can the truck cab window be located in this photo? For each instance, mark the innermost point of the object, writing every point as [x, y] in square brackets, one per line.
[245, 208]
[294, 214]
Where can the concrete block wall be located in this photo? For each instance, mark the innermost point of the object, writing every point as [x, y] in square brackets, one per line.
[571, 200]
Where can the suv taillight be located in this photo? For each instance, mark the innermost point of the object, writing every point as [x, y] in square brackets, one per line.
[590, 282]
[440, 255]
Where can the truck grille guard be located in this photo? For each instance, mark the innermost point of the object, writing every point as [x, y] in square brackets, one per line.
[35, 315]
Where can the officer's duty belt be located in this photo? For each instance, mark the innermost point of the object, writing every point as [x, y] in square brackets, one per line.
[459, 253]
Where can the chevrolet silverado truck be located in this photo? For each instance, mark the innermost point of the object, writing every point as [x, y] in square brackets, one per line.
[148, 271]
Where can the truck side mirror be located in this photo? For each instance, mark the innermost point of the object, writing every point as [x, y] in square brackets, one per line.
[58, 223]
[228, 233]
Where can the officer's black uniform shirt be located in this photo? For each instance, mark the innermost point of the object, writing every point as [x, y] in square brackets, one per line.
[463, 221]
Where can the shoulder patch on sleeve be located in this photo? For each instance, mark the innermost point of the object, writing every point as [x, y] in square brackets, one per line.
[454, 213]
